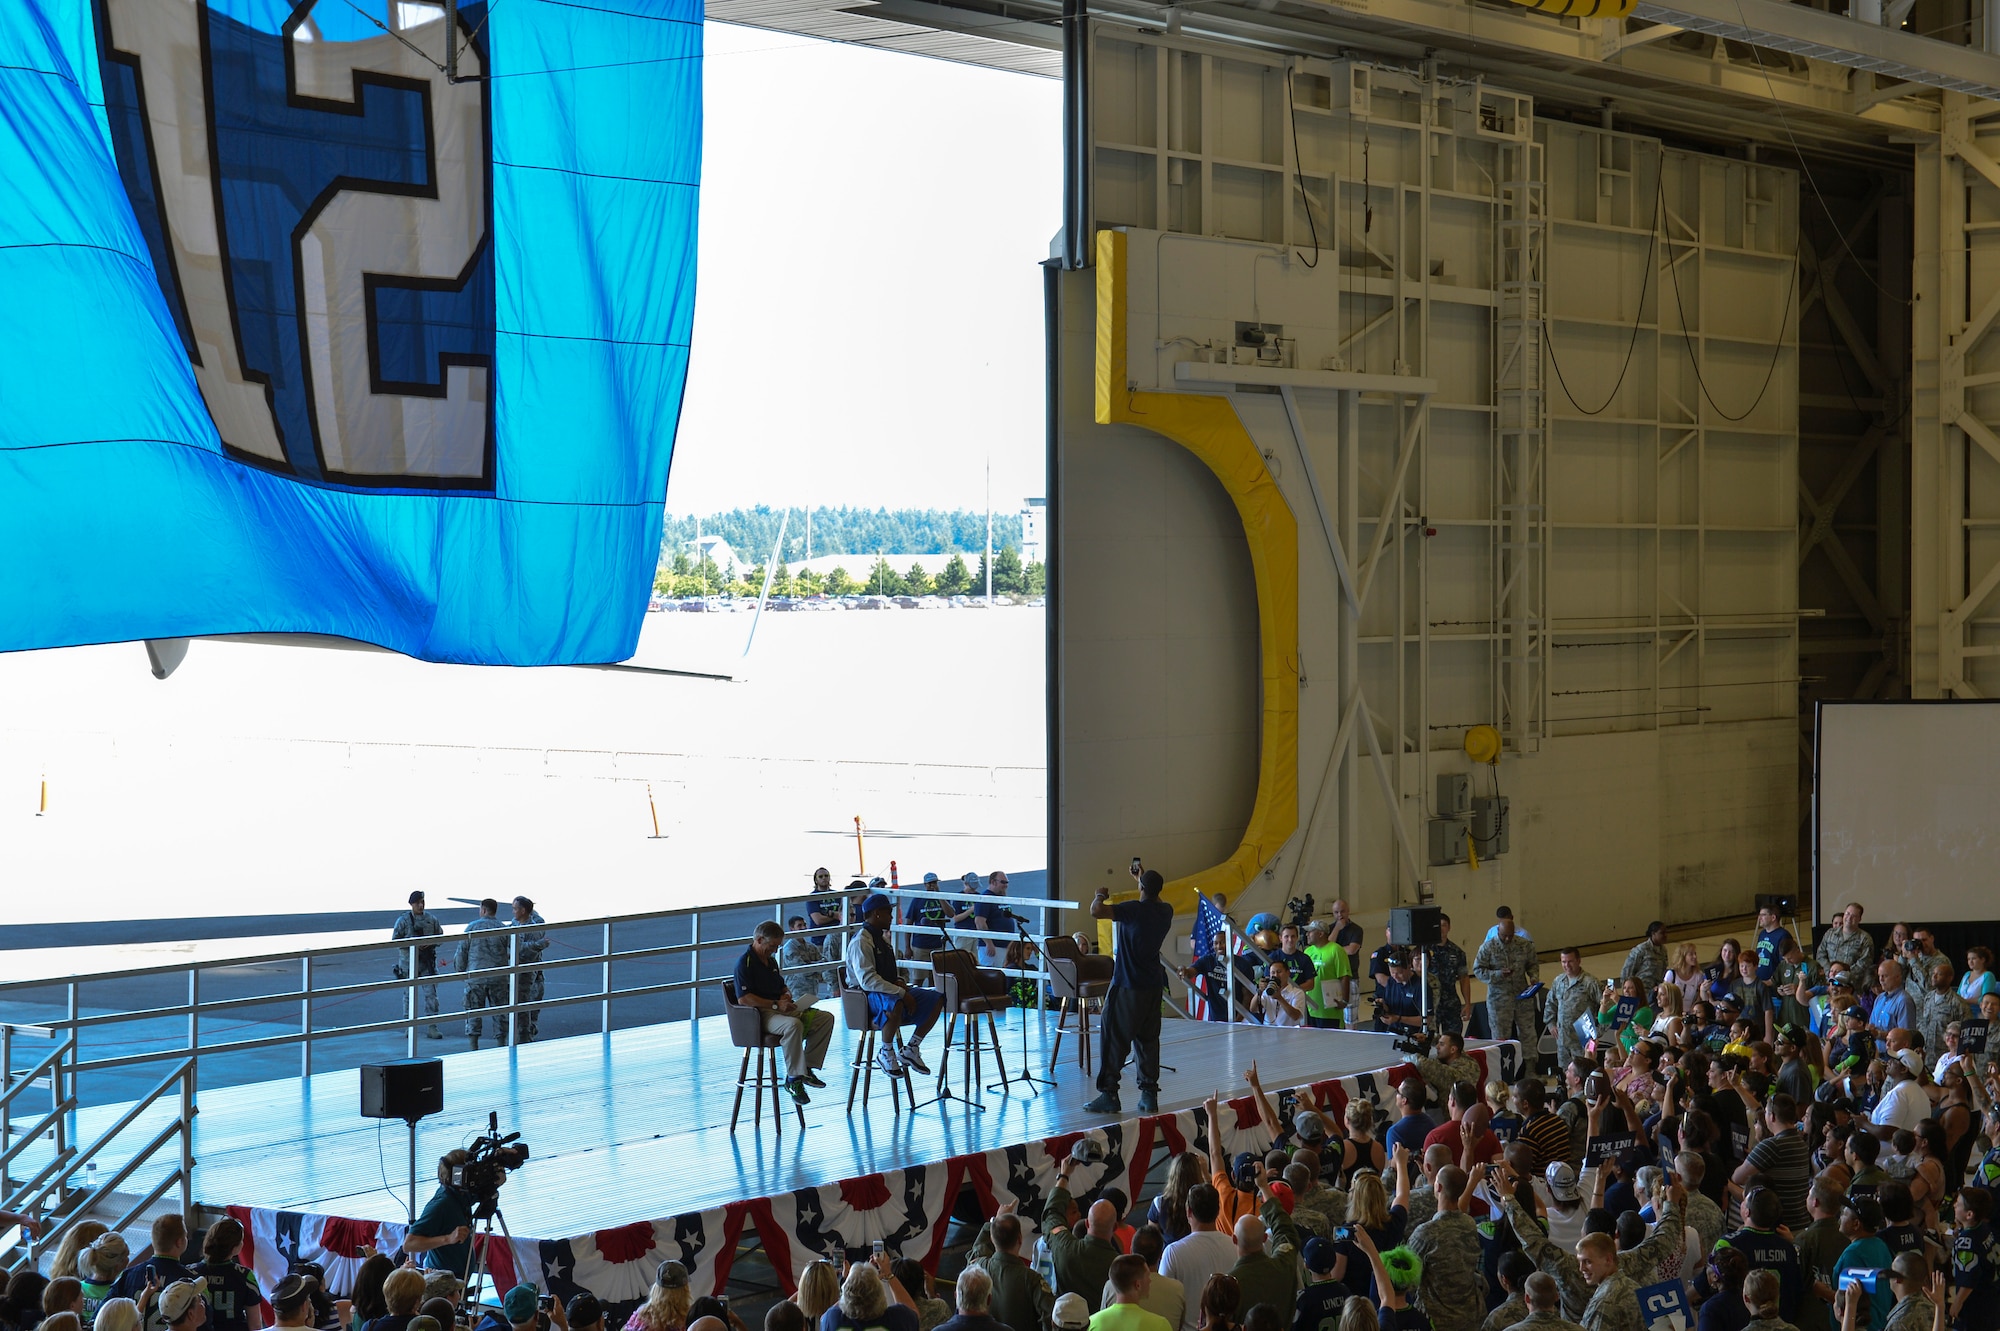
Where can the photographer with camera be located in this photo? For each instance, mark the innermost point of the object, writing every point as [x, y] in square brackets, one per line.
[441, 1238]
[1399, 1003]
[1279, 1002]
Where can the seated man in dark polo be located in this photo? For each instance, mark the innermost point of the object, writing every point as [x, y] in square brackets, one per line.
[803, 1032]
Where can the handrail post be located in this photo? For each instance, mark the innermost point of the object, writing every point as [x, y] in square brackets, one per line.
[694, 968]
[604, 1008]
[194, 1019]
[6, 1109]
[187, 1138]
[410, 1006]
[305, 1015]
[513, 990]
[73, 1044]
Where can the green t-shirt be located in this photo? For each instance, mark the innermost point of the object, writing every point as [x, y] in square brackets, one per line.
[1127, 1317]
[1329, 963]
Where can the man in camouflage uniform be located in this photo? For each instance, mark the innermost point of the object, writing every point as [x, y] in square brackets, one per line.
[1614, 1296]
[1422, 1202]
[1507, 964]
[1907, 1277]
[1452, 1292]
[1847, 943]
[1938, 1007]
[1578, 1290]
[1544, 1298]
[1451, 1066]
[477, 954]
[1647, 961]
[529, 946]
[1316, 1197]
[1571, 994]
[1447, 968]
[416, 922]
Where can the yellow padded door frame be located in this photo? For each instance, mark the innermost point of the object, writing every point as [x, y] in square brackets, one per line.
[1208, 427]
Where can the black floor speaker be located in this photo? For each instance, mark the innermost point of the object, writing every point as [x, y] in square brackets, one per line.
[409, 1089]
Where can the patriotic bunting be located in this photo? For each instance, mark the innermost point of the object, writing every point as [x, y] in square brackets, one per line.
[910, 1209]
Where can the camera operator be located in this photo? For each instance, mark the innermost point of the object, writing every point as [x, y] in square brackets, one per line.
[1279, 1002]
[441, 1238]
[1399, 1004]
[525, 1309]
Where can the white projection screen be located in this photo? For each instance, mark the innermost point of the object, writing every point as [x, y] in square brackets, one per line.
[1906, 810]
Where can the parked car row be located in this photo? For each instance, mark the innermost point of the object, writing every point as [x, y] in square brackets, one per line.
[700, 605]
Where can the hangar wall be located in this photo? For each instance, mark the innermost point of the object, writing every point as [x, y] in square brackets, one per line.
[1607, 574]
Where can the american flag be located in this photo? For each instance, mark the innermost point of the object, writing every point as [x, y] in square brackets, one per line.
[1208, 923]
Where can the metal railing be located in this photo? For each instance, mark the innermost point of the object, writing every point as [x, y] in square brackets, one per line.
[53, 1184]
[49, 1191]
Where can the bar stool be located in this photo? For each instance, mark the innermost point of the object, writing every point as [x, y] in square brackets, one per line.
[971, 993]
[746, 1032]
[1079, 980]
[861, 1073]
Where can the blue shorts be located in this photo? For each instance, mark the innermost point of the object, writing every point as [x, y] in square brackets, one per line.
[929, 1003]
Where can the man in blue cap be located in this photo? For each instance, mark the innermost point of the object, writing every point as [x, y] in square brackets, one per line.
[871, 966]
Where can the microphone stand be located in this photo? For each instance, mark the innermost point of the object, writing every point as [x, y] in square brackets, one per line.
[1026, 1076]
[944, 1091]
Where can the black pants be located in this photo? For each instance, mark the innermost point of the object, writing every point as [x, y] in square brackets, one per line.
[1131, 1017]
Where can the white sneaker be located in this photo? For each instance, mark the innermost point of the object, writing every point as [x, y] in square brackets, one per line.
[913, 1059]
[885, 1058]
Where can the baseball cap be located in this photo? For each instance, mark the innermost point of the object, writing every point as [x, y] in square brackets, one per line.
[292, 1293]
[1788, 1034]
[1309, 1126]
[1562, 1182]
[1320, 1254]
[1088, 1150]
[930, 878]
[1868, 1211]
[1912, 1060]
[520, 1303]
[179, 1297]
[1281, 1193]
[671, 1275]
[584, 1309]
[416, 896]
[873, 902]
[1245, 1163]
[1071, 1312]
[1856, 1013]
[441, 1284]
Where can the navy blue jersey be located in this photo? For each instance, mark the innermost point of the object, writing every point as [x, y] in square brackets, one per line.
[232, 1294]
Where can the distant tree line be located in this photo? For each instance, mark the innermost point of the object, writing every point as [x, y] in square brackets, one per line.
[847, 531]
[681, 574]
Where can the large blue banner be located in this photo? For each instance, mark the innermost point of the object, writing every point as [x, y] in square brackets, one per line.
[298, 334]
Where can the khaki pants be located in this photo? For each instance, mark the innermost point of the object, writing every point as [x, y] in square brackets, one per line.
[804, 1036]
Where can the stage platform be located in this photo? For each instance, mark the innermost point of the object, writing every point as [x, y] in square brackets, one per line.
[634, 1159]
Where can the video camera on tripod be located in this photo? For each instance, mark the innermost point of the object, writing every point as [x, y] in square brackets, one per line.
[1301, 911]
[486, 1165]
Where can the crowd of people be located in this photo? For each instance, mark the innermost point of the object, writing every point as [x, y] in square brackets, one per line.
[1775, 1138]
